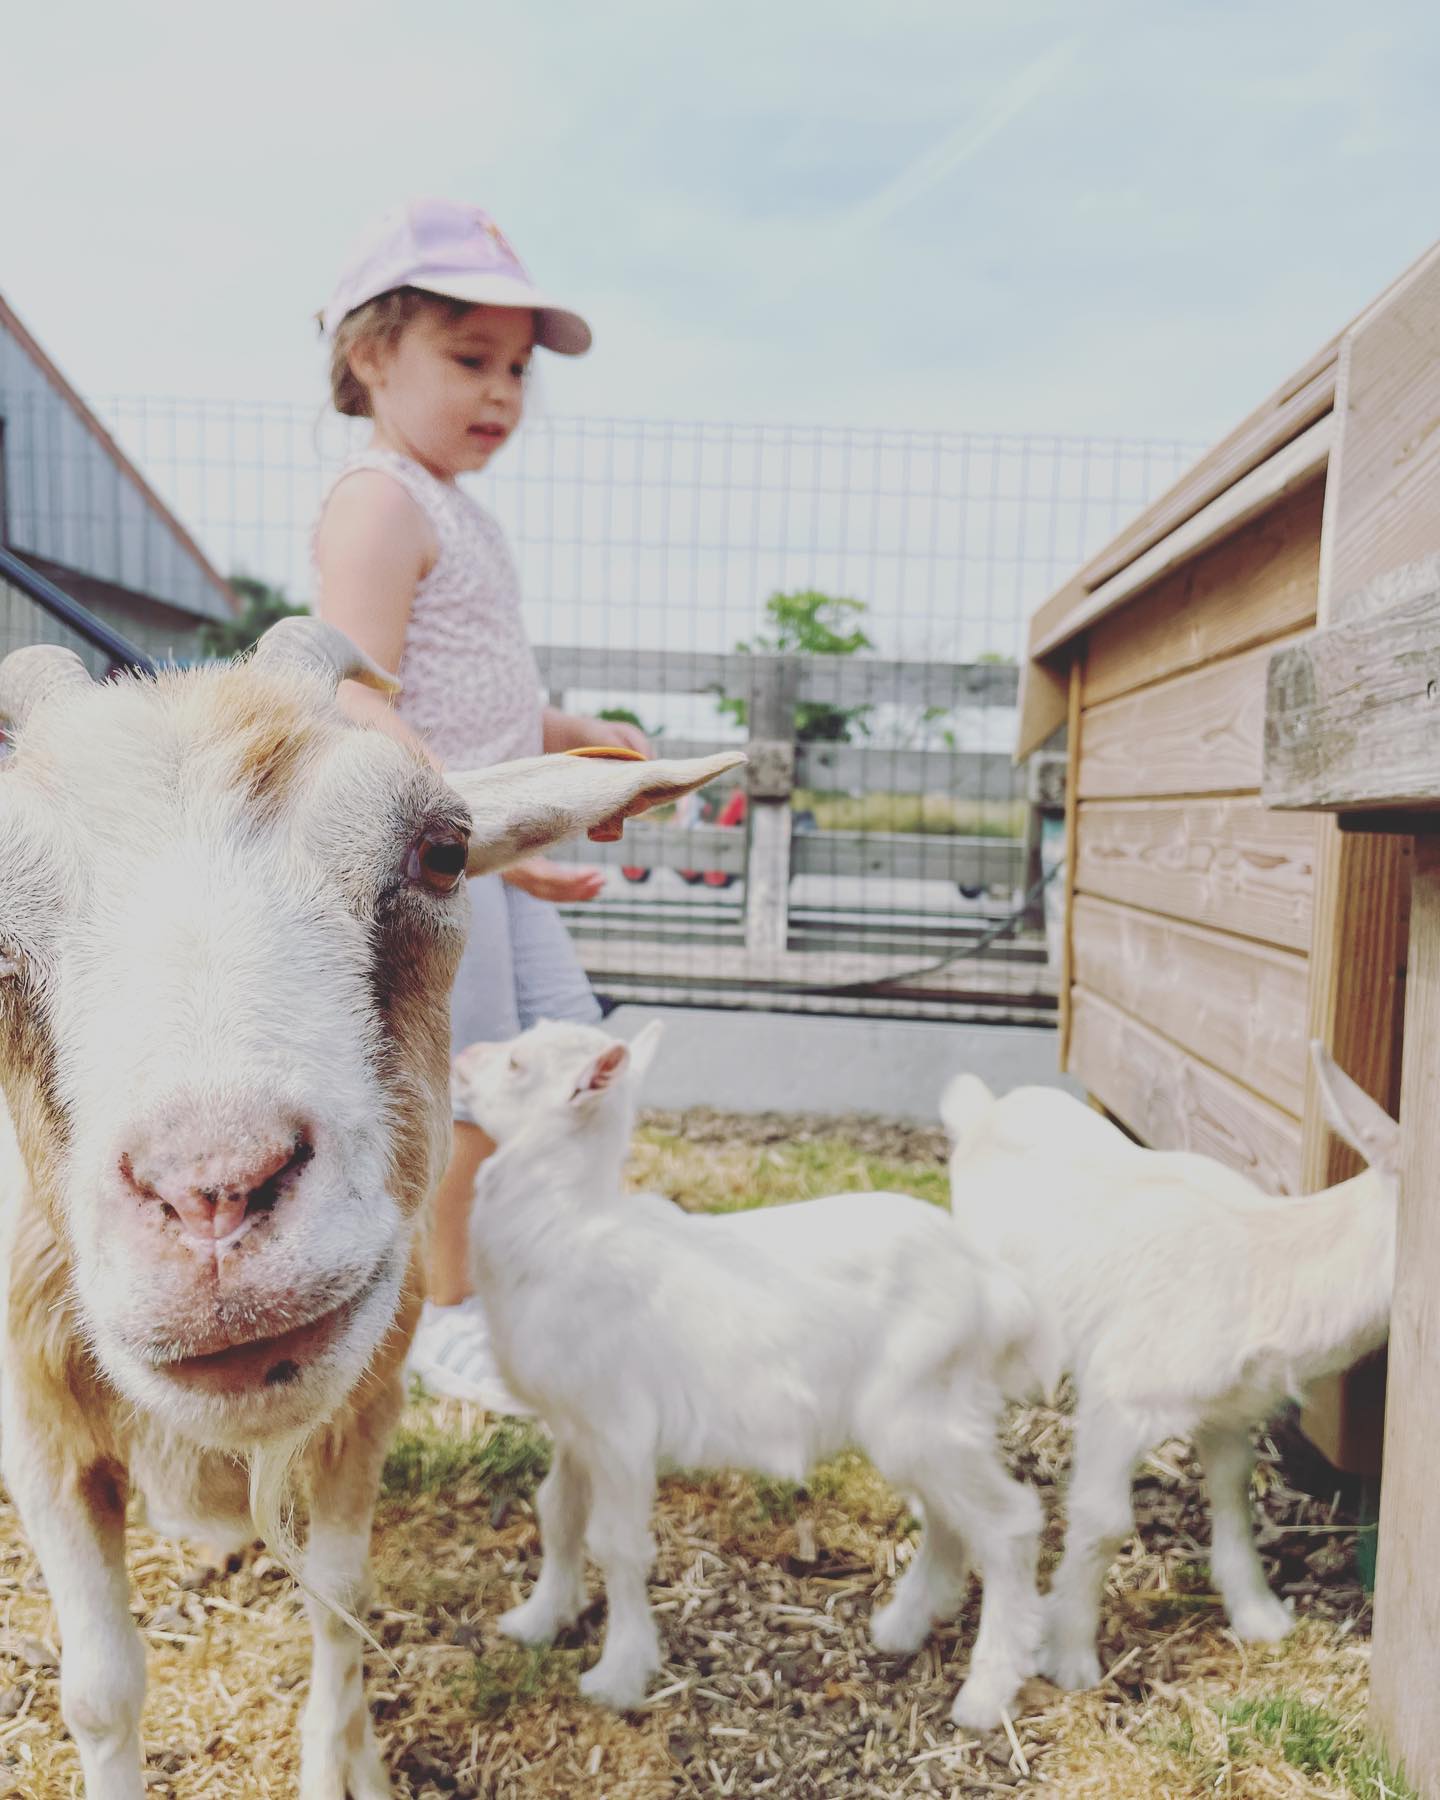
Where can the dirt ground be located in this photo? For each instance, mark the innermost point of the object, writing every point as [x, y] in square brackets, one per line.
[763, 1593]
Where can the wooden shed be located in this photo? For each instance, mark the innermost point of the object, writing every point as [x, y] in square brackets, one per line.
[1207, 939]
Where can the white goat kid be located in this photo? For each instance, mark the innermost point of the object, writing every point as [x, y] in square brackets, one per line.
[1187, 1304]
[765, 1340]
[229, 920]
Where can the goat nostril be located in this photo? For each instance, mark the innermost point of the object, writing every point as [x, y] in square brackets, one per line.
[263, 1197]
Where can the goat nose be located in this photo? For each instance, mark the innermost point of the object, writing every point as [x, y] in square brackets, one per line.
[210, 1194]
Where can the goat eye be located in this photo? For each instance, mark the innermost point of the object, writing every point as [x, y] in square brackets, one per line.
[437, 861]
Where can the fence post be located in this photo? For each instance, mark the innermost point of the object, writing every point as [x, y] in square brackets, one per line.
[770, 777]
[1044, 798]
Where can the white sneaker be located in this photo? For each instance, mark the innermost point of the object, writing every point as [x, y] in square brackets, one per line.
[452, 1355]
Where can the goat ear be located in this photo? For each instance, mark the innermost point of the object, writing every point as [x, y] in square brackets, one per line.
[521, 807]
[1352, 1115]
[602, 1073]
[644, 1044]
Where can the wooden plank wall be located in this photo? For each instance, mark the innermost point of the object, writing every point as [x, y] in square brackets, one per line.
[1191, 921]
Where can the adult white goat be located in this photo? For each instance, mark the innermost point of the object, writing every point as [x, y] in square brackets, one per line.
[763, 1340]
[1187, 1304]
[229, 920]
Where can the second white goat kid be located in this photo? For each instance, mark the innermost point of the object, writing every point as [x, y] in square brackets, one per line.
[648, 1338]
[1187, 1303]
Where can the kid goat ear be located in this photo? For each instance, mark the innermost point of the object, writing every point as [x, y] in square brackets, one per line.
[602, 1073]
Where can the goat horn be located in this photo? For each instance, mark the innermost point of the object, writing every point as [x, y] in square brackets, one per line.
[320, 649]
[30, 676]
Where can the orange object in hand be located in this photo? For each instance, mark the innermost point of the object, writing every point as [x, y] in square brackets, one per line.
[611, 830]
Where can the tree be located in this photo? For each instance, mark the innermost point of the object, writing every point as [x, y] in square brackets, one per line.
[809, 623]
[262, 606]
[625, 715]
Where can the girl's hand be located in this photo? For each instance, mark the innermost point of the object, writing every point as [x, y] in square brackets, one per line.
[621, 735]
[574, 731]
[554, 881]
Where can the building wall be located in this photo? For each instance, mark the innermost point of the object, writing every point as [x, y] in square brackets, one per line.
[1192, 913]
[68, 499]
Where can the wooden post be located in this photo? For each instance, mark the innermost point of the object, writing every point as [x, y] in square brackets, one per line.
[1405, 1666]
[1072, 840]
[1044, 795]
[1350, 729]
[1384, 460]
[771, 781]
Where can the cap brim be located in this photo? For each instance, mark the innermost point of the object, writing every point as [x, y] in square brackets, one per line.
[556, 327]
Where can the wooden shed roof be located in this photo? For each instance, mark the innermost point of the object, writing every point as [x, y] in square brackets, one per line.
[1284, 443]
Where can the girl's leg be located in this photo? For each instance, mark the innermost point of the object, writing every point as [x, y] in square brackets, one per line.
[449, 1265]
[519, 966]
[452, 1353]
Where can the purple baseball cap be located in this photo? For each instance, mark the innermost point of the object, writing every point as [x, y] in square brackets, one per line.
[457, 251]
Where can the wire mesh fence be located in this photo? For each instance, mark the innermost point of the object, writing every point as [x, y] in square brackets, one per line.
[688, 572]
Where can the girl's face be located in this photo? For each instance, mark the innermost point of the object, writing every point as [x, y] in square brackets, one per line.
[450, 391]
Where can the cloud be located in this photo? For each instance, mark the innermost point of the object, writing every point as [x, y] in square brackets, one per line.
[966, 140]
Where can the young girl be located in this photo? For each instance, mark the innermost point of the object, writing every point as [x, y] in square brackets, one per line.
[431, 328]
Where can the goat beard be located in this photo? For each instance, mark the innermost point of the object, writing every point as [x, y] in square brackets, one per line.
[273, 1468]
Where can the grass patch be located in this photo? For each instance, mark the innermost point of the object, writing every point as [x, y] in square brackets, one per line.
[925, 815]
[778, 1501]
[507, 1458]
[740, 1177]
[1312, 1740]
[1225, 1739]
[512, 1674]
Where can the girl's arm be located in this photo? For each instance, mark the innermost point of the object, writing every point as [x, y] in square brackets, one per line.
[373, 548]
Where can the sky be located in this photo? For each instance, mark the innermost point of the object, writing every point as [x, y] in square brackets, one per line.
[1094, 217]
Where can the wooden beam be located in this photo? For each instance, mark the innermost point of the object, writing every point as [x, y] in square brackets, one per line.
[1381, 512]
[1405, 1664]
[1298, 403]
[874, 768]
[1353, 713]
[1200, 733]
[1223, 863]
[1254, 586]
[1378, 514]
[1044, 699]
[1293, 466]
[1292, 409]
[1072, 854]
[911, 856]
[667, 846]
[841, 680]
[1173, 1100]
[955, 774]
[721, 966]
[1233, 1004]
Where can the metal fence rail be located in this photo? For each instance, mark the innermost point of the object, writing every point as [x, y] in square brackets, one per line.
[896, 834]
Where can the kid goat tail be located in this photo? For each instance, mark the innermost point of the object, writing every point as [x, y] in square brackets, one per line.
[965, 1108]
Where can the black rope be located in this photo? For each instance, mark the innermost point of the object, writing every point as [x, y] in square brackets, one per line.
[1001, 928]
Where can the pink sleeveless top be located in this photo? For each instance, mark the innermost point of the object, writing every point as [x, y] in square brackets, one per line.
[470, 682]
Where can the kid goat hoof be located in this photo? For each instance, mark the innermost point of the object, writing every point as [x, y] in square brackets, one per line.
[621, 1693]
